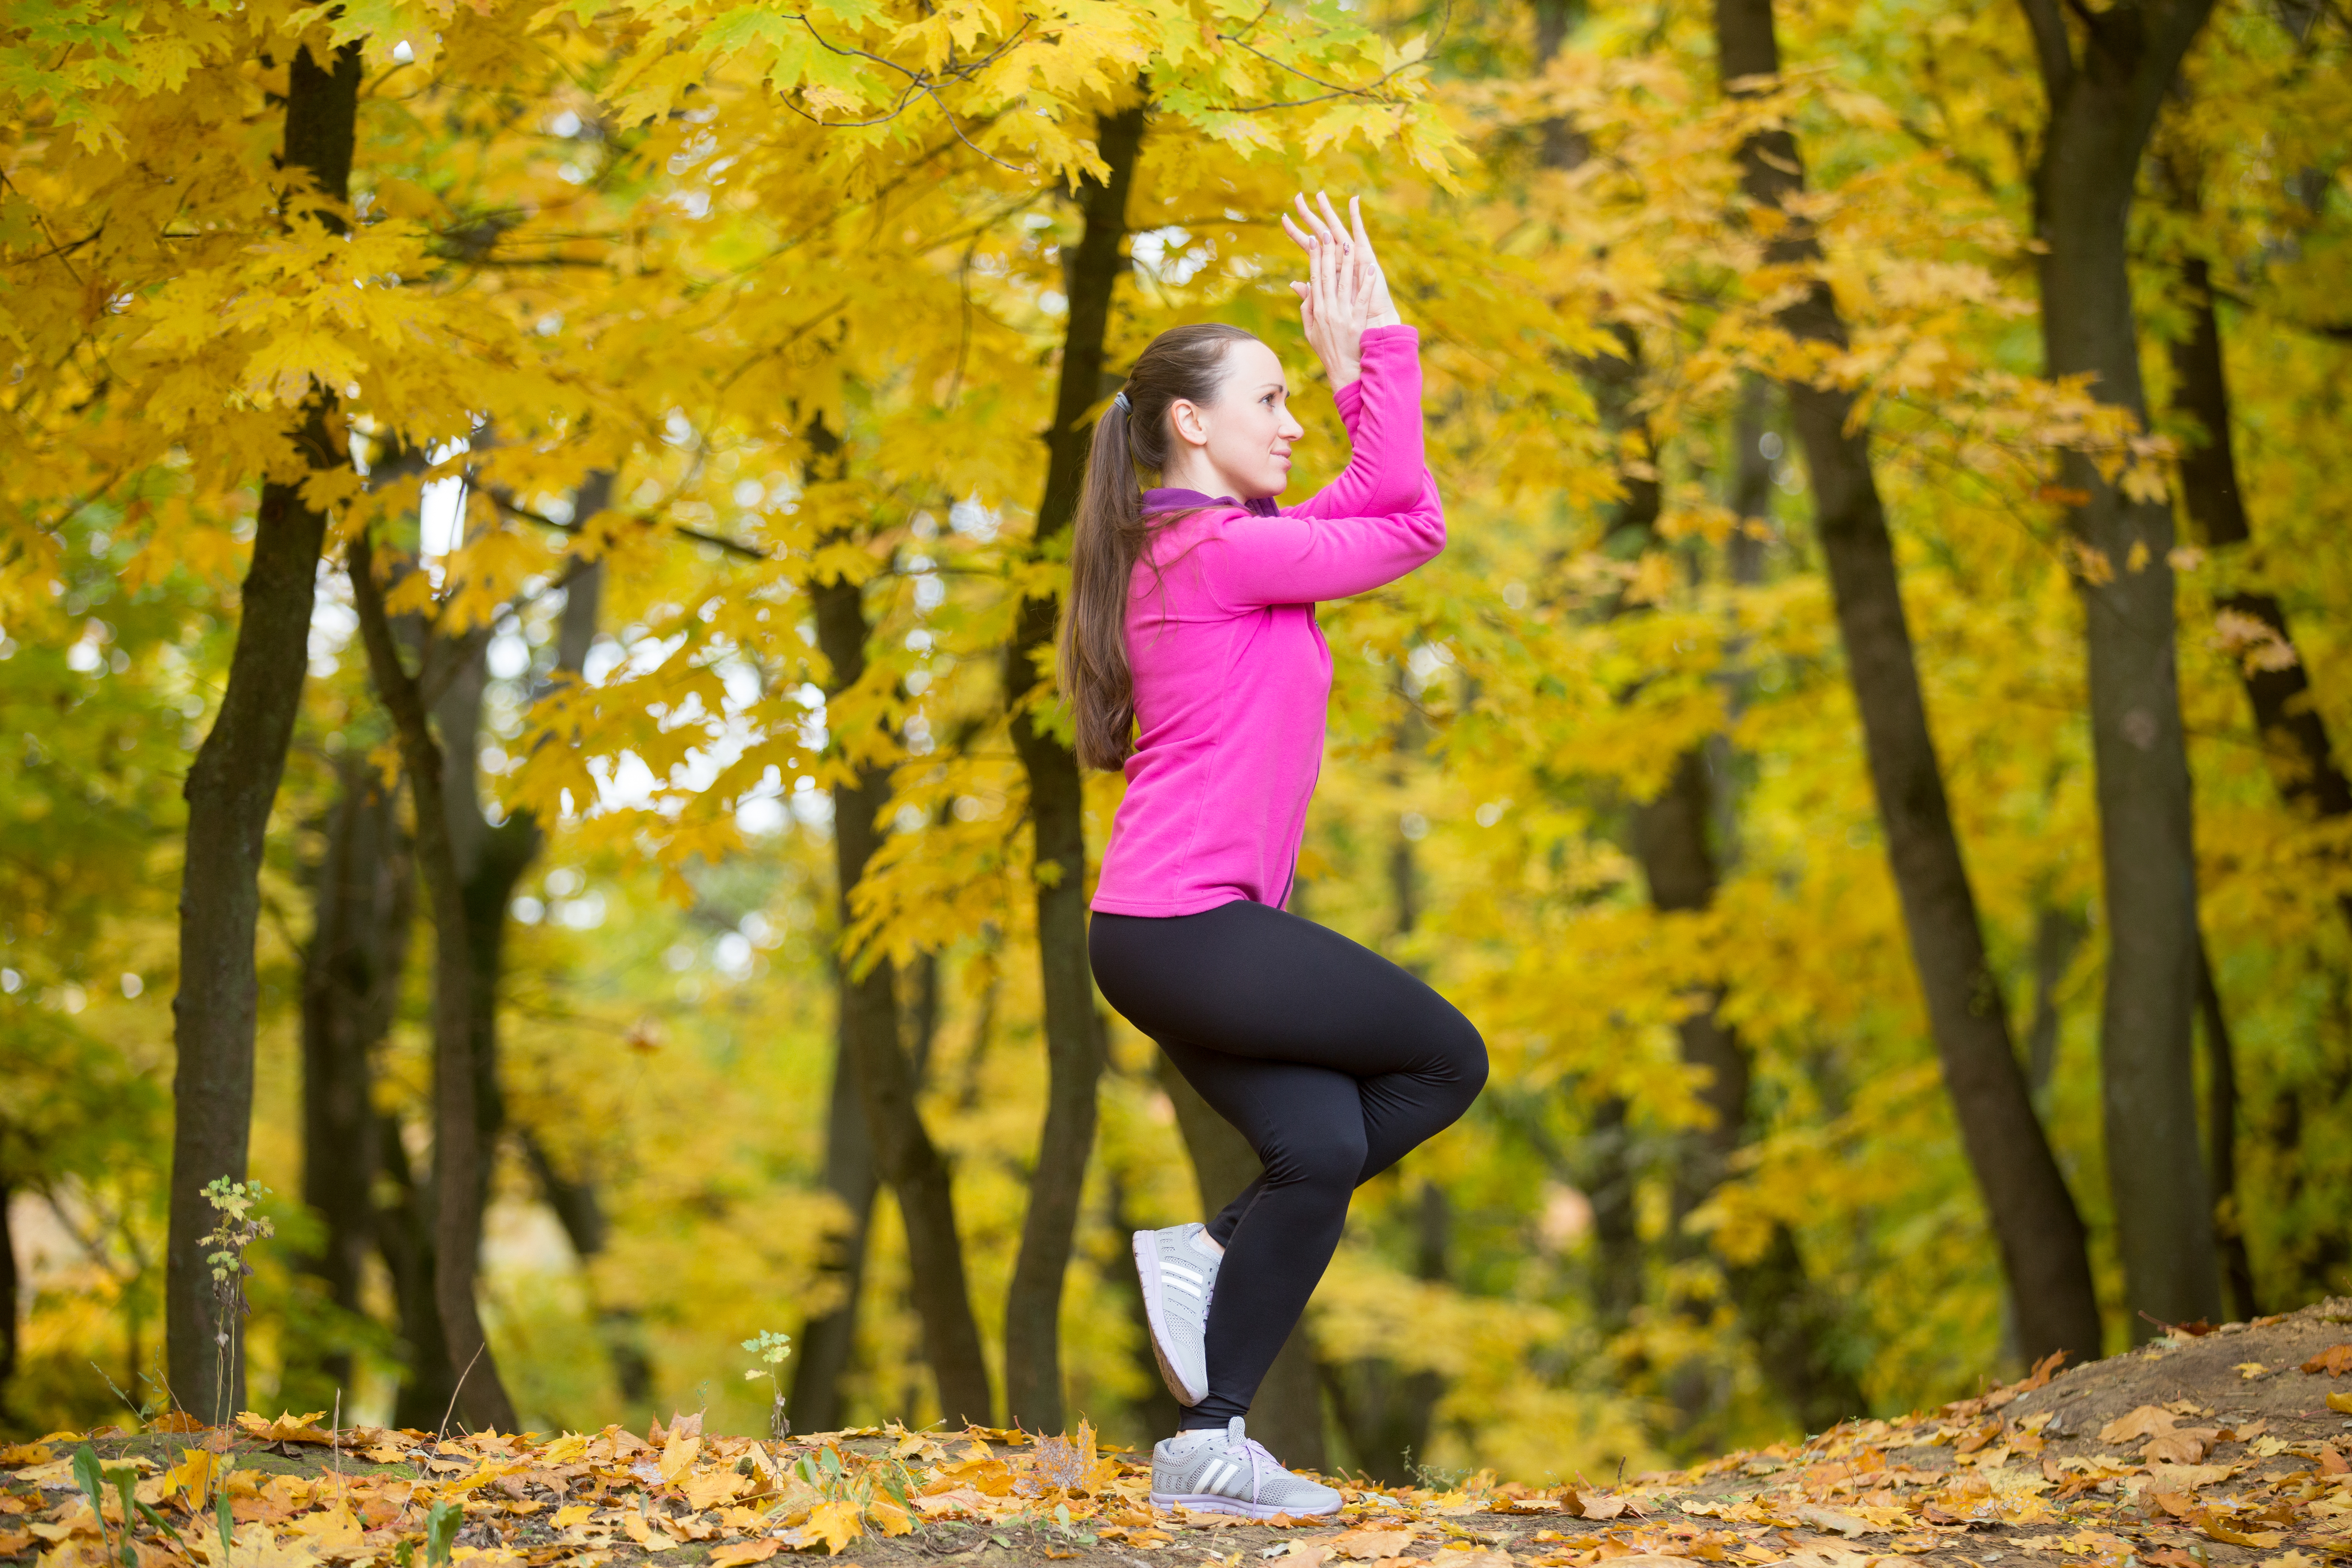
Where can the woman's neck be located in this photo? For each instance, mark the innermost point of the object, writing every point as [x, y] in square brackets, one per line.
[1200, 475]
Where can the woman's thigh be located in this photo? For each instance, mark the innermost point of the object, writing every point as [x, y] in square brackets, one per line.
[1250, 980]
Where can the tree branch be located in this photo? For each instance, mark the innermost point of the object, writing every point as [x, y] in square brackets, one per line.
[507, 503]
[2052, 48]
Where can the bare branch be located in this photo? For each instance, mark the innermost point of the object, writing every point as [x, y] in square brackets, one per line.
[508, 504]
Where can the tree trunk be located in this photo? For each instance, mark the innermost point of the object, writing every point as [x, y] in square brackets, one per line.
[2103, 107]
[2290, 723]
[1287, 1414]
[2034, 1216]
[577, 1209]
[350, 988]
[849, 1176]
[1385, 1413]
[2221, 1142]
[229, 792]
[428, 1384]
[869, 1023]
[1157, 1413]
[1074, 1051]
[458, 1157]
[9, 1325]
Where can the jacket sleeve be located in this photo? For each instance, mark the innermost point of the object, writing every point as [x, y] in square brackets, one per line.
[1375, 522]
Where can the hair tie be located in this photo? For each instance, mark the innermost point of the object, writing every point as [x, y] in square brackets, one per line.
[1124, 406]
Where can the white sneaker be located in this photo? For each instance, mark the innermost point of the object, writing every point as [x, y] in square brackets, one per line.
[1225, 1472]
[1179, 1270]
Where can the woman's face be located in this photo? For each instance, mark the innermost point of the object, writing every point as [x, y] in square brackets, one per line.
[1239, 445]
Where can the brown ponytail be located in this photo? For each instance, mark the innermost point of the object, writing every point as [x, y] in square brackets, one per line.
[1112, 533]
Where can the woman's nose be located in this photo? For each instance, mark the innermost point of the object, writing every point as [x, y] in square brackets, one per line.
[1291, 428]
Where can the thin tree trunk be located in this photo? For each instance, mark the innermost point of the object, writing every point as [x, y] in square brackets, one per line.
[2034, 1220]
[902, 1146]
[1074, 1052]
[351, 987]
[581, 1214]
[458, 1157]
[229, 791]
[404, 1236]
[1287, 1416]
[2289, 721]
[849, 1176]
[2103, 105]
[9, 1325]
[1384, 1413]
[1157, 1413]
[2221, 1142]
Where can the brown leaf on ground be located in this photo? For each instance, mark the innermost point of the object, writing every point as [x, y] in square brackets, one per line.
[2335, 1360]
[2186, 1446]
[1844, 1524]
[286, 1428]
[2147, 1421]
[1592, 1505]
[1369, 1543]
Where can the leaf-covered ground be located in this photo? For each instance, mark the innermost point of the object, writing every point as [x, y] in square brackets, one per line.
[2201, 1452]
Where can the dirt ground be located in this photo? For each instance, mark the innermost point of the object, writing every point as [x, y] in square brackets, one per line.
[2199, 1451]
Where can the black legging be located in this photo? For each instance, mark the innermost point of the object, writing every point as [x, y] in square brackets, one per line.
[1333, 1061]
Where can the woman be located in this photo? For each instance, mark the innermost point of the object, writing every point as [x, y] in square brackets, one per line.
[1193, 660]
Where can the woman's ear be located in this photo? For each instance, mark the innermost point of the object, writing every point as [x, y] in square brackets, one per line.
[1192, 428]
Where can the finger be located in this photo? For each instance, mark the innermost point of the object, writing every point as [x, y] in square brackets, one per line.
[1356, 217]
[1315, 221]
[1331, 213]
[1293, 230]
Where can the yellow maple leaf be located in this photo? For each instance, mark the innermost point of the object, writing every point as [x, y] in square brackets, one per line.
[564, 1449]
[287, 1428]
[889, 1517]
[571, 1516]
[194, 1475]
[834, 1523]
[635, 1526]
[679, 1455]
[745, 1551]
[332, 1529]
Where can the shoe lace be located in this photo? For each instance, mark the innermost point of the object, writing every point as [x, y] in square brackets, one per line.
[1259, 1462]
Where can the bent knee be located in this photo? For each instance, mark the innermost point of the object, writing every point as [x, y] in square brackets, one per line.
[1465, 1063]
[1332, 1159]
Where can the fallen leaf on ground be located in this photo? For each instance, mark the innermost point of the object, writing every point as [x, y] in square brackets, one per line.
[2335, 1360]
[1844, 1524]
[2188, 1446]
[834, 1523]
[2146, 1421]
[286, 1428]
[2340, 1402]
[1370, 1544]
[758, 1551]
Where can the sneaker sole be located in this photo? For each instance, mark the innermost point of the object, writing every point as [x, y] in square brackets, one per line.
[1147, 1268]
[1210, 1503]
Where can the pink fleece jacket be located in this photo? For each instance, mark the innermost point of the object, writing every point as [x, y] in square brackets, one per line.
[1231, 674]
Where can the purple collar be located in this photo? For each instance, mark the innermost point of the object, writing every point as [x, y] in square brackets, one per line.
[1171, 500]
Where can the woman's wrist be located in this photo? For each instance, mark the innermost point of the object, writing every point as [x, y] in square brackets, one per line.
[1342, 373]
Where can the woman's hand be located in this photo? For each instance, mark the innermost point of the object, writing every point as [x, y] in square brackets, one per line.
[1345, 293]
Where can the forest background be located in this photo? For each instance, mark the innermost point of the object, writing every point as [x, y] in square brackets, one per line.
[530, 538]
